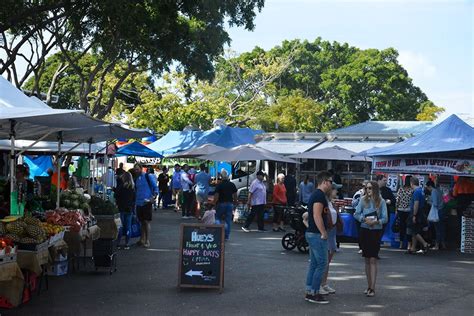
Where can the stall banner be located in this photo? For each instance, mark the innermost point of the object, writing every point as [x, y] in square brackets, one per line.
[448, 166]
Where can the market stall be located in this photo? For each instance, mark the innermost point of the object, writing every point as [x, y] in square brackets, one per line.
[445, 153]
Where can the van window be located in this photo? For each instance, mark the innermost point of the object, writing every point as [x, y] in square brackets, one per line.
[243, 168]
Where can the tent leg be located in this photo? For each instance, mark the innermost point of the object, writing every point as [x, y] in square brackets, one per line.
[59, 163]
[12, 163]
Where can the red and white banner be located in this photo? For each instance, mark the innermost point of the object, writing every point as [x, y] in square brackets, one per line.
[448, 166]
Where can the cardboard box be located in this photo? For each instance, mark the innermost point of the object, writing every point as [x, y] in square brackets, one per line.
[109, 226]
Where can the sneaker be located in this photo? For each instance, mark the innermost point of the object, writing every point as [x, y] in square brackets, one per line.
[366, 291]
[318, 299]
[308, 296]
[329, 289]
[147, 244]
[370, 293]
[184, 217]
[262, 230]
[360, 251]
[275, 230]
[322, 291]
[126, 248]
[245, 229]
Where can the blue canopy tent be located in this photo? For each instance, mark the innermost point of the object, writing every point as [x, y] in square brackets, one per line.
[447, 148]
[137, 149]
[226, 137]
[38, 165]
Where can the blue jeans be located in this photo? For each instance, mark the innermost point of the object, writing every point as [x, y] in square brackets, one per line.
[224, 210]
[318, 250]
[126, 219]
[440, 228]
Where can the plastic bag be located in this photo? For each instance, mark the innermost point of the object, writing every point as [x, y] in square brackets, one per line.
[135, 230]
[433, 215]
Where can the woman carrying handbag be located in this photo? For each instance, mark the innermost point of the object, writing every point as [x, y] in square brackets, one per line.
[371, 212]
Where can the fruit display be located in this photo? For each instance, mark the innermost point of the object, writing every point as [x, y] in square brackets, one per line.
[6, 244]
[64, 217]
[74, 200]
[27, 230]
[102, 207]
[52, 229]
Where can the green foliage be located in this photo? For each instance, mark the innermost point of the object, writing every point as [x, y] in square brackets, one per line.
[429, 111]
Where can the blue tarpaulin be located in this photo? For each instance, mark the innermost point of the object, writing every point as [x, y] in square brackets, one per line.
[139, 150]
[451, 135]
[227, 137]
[38, 165]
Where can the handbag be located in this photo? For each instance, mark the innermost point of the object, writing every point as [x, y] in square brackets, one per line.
[433, 215]
[396, 225]
[135, 229]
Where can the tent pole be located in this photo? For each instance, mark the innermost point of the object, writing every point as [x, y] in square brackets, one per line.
[89, 164]
[12, 162]
[94, 165]
[59, 163]
[106, 169]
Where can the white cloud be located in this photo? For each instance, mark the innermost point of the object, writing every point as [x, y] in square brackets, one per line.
[417, 65]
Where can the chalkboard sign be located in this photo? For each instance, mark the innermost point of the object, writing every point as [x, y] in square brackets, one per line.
[201, 257]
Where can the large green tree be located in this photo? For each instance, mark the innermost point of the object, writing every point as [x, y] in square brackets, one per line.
[136, 36]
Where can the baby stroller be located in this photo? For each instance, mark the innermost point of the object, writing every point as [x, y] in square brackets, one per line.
[297, 239]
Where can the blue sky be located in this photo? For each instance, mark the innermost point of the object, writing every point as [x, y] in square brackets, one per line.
[435, 39]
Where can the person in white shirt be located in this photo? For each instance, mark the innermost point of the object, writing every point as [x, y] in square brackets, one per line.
[188, 196]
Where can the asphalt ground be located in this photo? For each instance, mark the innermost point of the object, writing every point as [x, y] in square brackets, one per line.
[260, 279]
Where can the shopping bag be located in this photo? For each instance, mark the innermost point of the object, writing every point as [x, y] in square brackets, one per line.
[433, 215]
[135, 230]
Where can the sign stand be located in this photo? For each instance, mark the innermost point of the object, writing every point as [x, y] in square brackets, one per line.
[201, 256]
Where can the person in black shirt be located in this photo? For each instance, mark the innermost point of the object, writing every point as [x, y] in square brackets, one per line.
[290, 185]
[163, 180]
[389, 198]
[318, 222]
[225, 197]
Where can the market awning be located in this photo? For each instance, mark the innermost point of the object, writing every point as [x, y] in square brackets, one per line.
[330, 153]
[451, 135]
[137, 149]
[206, 149]
[246, 152]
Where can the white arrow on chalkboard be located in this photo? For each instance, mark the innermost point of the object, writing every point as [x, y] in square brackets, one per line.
[192, 273]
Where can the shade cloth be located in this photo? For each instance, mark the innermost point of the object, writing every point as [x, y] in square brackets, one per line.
[246, 152]
[206, 149]
[137, 149]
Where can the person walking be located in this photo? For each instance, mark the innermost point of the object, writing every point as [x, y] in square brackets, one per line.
[290, 186]
[256, 201]
[125, 198]
[176, 186]
[203, 180]
[404, 195]
[325, 289]
[306, 188]
[163, 180]
[279, 203]
[372, 214]
[225, 197]
[186, 186]
[388, 196]
[151, 173]
[417, 220]
[317, 236]
[439, 222]
[146, 191]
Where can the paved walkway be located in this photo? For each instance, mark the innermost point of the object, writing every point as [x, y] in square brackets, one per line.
[260, 279]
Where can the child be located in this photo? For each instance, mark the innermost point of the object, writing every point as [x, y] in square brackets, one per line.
[209, 217]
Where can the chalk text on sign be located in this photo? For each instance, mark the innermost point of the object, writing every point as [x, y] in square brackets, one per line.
[201, 237]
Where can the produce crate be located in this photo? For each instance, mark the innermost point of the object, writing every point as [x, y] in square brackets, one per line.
[7, 258]
[106, 262]
[467, 235]
[33, 247]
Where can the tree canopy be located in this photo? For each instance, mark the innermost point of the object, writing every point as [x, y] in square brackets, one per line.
[140, 36]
